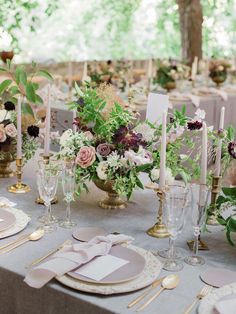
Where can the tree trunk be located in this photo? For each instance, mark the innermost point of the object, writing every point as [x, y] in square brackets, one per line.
[190, 15]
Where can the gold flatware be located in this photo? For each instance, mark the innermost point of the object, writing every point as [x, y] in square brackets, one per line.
[36, 235]
[58, 248]
[143, 295]
[205, 290]
[15, 241]
[169, 282]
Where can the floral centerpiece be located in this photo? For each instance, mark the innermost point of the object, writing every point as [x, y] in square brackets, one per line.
[218, 70]
[101, 72]
[107, 148]
[18, 83]
[169, 71]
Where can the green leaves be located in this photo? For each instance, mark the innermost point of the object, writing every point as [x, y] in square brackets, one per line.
[229, 192]
[30, 92]
[4, 85]
[45, 74]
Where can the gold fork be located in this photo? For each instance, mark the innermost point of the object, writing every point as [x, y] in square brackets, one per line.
[205, 290]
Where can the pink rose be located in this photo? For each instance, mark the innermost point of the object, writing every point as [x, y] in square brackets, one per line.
[11, 130]
[3, 136]
[86, 156]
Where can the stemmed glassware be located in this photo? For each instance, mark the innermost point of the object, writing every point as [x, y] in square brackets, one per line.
[47, 181]
[68, 186]
[43, 165]
[176, 200]
[199, 201]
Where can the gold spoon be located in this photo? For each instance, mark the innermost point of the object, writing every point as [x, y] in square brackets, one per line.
[169, 282]
[36, 235]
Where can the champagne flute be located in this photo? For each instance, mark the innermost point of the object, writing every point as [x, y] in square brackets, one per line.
[200, 200]
[47, 181]
[68, 186]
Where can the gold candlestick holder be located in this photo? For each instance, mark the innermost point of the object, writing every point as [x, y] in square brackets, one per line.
[216, 187]
[19, 187]
[39, 200]
[159, 230]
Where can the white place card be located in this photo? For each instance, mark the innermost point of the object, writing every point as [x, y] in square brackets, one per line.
[101, 266]
[157, 103]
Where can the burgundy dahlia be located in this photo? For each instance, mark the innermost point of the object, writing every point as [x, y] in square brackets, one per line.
[9, 106]
[232, 149]
[194, 125]
[33, 130]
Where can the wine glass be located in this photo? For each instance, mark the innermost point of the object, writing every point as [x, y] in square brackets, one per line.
[47, 181]
[199, 201]
[177, 252]
[68, 186]
[52, 164]
[176, 200]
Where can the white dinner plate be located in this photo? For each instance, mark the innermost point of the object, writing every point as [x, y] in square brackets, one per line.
[151, 271]
[207, 304]
[129, 271]
[22, 220]
[7, 219]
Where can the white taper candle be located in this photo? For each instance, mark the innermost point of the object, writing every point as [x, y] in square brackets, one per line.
[48, 120]
[163, 152]
[203, 178]
[85, 72]
[219, 146]
[194, 68]
[19, 133]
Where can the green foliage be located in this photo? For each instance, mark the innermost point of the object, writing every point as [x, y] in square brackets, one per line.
[225, 201]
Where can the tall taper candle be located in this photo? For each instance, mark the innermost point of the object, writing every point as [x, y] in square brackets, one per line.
[194, 68]
[204, 155]
[47, 127]
[150, 68]
[219, 147]
[70, 75]
[85, 72]
[19, 135]
[163, 152]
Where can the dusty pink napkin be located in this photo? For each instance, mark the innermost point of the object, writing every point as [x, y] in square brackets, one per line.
[72, 257]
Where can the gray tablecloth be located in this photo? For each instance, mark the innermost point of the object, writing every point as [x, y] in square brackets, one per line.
[17, 298]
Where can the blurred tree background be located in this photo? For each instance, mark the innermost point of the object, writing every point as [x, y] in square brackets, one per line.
[109, 29]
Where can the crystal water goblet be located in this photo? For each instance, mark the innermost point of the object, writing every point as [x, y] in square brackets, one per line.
[52, 164]
[176, 200]
[68, 186]
[47, 181]
[199, 202]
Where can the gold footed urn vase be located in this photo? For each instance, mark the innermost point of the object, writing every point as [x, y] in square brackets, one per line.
[219, 80]
[169, 86]
[5, 170]
[112, 200]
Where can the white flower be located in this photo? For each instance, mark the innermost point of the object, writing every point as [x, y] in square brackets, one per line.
[175, 133]
[4, 115]
[142, 157]
[200, 115]
[65, 137]
[155, 175]
[55, 135]
[101, 170]
[146, 131]
[113, 160]
[220, 68]
[210, 128]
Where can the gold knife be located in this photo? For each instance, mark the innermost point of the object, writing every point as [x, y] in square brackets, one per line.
[58, 248]
[143, 295]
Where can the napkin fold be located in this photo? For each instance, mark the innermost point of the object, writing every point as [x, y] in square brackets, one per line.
[5, 202]
[71, 257]
[226, 306]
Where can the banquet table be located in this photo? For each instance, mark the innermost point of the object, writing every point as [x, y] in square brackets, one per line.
[18, 298]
